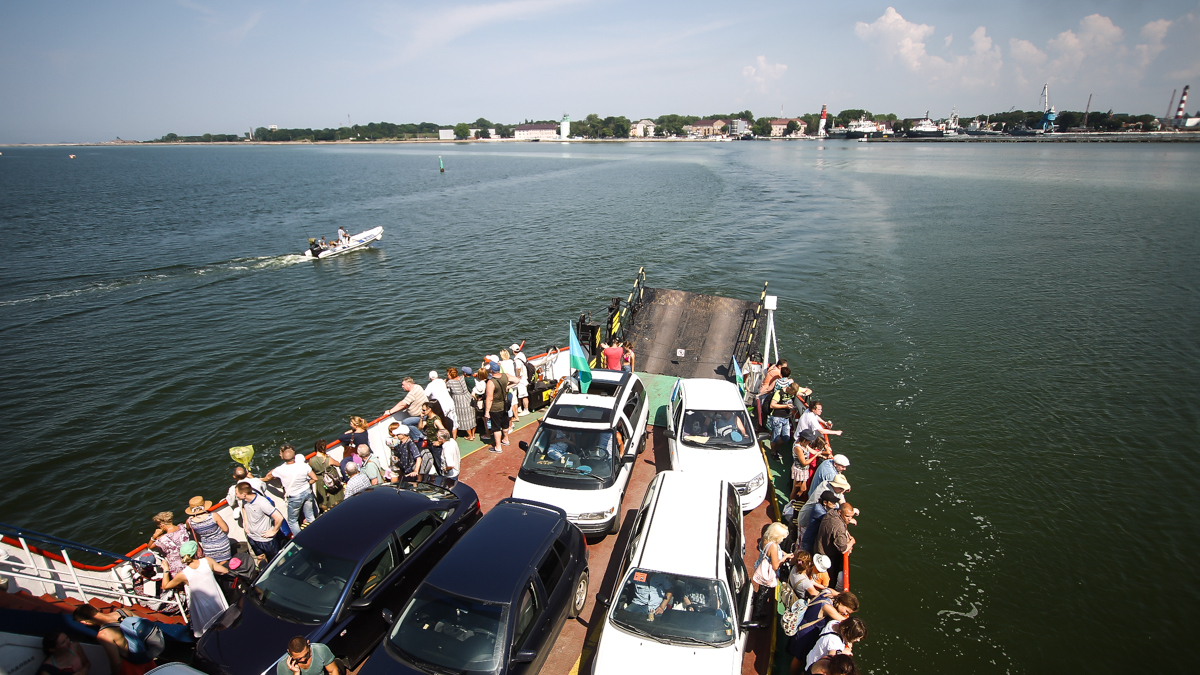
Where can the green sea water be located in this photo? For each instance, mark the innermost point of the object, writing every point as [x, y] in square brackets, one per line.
[1007, 334]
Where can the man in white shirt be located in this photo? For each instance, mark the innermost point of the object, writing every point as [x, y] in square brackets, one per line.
[297, 479]
[241, 475]
[451, 456]
[521, 364]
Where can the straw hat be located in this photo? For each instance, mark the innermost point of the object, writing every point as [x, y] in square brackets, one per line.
[196, 506]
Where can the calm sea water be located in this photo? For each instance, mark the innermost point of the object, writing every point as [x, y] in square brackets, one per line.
[1008, 335]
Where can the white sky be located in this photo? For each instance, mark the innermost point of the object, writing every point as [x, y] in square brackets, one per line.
[92, 71]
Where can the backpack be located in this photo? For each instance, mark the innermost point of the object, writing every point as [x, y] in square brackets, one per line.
[332, 477]
[147, 634]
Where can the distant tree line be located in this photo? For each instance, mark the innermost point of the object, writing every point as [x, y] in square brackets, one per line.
[593, 126]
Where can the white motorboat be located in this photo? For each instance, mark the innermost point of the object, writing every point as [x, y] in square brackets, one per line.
[360, 240]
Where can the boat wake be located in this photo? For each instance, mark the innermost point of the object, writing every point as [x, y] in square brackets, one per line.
[233, 267]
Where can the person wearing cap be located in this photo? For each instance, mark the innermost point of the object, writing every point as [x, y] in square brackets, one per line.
[521, 365]
[460, 392]
[804, 575]
[297, 479]
[209, 529]
[838, 486]
[830, 468]
[827, 502]
[357, 481]
[437, 390]
[205, 599]
[834, 540]
[409, 407]
[496, 404]
[406, 456]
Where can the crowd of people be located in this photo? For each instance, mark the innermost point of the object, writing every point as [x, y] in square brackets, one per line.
[466, 402]
[802, 559]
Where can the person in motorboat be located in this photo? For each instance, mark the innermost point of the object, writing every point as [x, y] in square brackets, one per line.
[63, 657]
[205, 599]
[343, 236]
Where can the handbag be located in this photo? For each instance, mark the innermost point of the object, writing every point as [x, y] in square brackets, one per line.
[764, 574]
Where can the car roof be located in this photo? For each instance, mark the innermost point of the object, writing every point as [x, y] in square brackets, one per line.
[606, 402]
[494, 556]
[353, 528]
[684, 532]
[604, 375]
[709, 394]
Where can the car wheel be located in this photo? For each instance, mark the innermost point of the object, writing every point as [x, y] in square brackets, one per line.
[642, 443]
[579, 598]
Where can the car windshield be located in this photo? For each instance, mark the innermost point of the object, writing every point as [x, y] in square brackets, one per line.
[575, 453]
[696, 611]
[580, 413]
[717, 429]
[303, 584]
[443, 632]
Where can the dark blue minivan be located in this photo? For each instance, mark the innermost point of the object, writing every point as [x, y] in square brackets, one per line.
[496, 602]
[336, 580]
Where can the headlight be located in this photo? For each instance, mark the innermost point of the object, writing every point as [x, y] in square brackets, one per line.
[598, 515]
[754, 483]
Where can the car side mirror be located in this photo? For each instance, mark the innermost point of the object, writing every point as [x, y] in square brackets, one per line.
[602, 600]
[524, 656]
[750, 625]
[523, 446]
[360, 603]
[387, 615]
[669, 433]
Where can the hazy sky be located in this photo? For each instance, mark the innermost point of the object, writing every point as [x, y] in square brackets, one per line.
[92, 71]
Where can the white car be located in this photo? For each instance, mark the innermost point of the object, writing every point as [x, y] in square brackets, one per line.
[682, 603]
[582, 454]
[709, 432]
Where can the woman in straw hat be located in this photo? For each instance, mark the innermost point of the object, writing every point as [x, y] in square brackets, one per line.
[209, 529]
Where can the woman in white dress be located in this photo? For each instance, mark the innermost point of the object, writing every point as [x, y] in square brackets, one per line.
[205, 599]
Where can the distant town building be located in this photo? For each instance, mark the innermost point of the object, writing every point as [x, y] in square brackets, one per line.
[642, 129]
[273, 127]
[738, 127]
[708, 127]
[541, 132]
[779, 126]
[448, 134]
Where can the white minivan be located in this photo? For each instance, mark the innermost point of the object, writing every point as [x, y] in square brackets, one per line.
[709, 432]
[582, 454]
[682, 603]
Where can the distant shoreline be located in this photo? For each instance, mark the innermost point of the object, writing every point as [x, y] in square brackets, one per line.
[1094, 137]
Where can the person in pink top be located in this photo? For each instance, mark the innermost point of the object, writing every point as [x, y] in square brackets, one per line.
[612, 356]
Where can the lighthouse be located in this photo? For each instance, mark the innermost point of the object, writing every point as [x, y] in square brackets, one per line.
[564, 129]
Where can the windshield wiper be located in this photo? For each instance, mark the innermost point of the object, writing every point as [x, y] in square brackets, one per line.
[639, 631]
[690, 639]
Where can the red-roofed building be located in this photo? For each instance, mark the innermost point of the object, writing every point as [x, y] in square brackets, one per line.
[541, 132]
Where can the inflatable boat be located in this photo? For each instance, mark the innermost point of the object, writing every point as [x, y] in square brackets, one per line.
[360, 240]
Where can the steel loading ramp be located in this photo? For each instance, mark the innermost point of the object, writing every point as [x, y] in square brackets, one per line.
[709, 329]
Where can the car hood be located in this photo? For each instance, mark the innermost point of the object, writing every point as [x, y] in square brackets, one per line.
[733, 465]
[574, 502]
[618, 649]
[253, 641]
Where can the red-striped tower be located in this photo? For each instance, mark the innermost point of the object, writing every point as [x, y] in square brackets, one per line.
[1182, 102]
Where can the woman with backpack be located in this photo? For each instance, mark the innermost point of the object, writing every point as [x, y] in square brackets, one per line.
[329, 478]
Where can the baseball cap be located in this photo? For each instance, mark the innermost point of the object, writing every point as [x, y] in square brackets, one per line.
[467, 370]
[829, 496]
[433, 375]
[514, 347]
[495, 367]
[401, 431]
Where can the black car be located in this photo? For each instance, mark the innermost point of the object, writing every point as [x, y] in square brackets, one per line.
[496, 602]
[334, 580]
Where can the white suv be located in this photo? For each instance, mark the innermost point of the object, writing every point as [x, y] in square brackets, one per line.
[582, 454]
[709, 432]
[682, 603]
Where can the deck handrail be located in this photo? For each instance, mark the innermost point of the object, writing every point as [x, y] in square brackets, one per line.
[18, 533]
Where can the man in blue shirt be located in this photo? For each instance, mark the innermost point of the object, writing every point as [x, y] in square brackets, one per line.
[829, 469]
[651, 594]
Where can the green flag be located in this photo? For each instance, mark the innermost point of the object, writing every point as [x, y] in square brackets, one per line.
[737, 371]
[579, 361]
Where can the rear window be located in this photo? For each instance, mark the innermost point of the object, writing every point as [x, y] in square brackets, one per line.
[581, 413]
